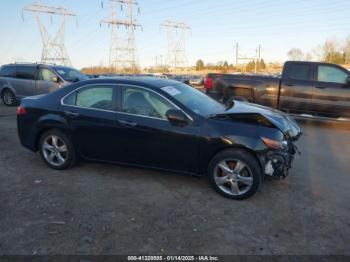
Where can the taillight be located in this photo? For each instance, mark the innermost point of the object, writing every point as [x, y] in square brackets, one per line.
[21, 110]
[208, 83]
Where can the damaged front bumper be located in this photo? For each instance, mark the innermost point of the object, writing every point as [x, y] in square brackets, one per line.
[278, 162]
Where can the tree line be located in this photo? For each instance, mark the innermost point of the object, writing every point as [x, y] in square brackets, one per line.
[224, 66]
[332, 50]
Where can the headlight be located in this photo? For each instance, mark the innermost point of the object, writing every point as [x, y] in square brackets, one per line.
[274, 144]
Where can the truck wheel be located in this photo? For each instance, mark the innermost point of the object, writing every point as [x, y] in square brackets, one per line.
[238, 98]
[8, 98]
[242, 99]
[240, 94]
[235, 174]
[57, 150]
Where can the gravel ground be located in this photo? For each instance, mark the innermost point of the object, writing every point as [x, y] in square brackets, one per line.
[106, 209]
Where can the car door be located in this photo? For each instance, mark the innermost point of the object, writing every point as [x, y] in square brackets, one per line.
[47, 81]
[24, 83]
[297, 88]
[90, 114]
[332, 91]
[147, 138]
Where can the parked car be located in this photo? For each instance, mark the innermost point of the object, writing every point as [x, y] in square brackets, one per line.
[196, 80]
[180, 78]
[316, 89]
[160, 124]
[22, 80]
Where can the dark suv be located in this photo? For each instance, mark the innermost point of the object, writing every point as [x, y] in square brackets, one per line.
[22, 80]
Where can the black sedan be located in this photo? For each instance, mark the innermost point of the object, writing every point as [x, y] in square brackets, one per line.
[160, 124]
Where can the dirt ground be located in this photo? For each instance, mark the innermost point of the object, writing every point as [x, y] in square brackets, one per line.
[106, 209]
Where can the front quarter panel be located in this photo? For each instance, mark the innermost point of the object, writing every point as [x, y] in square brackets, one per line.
[218, 135]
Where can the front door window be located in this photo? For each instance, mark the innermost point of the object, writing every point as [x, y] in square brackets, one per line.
[143, 102]
[331, 74]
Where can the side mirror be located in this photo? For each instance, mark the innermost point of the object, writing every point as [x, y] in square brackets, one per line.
[54, 79]
[348, 80]
[177, 117]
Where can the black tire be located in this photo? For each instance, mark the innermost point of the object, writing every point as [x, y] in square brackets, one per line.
[8, 97]
[238, 98]
[252, 168]
[239, 94]
[70, 156]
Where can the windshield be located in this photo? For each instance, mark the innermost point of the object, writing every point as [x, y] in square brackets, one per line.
[70, 74]
[194, 100]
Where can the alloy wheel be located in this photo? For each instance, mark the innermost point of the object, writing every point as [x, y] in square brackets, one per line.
[8, 98]
[233, 177]
[55, 150]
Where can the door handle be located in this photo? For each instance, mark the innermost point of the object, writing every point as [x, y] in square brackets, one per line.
[71, 114]
[127, 123]
[289, 84]
[320, 87]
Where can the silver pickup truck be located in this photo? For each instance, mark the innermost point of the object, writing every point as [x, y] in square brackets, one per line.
[22, 80]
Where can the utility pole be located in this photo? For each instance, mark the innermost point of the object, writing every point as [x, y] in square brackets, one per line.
[256, 59]
[54, 50]
[176, 34]
[236, 54]
[122, 53]
[161, 60]
[258, 53]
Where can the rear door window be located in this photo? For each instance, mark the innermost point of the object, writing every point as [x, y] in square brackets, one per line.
[25, 72]
[299, 72]
[8, 71]
[96, 97]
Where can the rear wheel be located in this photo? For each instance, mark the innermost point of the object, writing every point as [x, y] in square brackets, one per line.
[235, 173]
[8, 98]
[239, 94]
[57, 150]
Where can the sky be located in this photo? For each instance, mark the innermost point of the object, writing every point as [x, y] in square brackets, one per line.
[277, 25]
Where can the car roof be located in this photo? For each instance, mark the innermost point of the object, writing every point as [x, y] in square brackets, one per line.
[133, 80]
[30, 64]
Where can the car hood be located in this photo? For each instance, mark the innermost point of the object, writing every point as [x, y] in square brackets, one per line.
[248, 111]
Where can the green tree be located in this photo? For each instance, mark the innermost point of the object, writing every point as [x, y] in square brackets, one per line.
[262, 64]
[250, 66]
[199, 65]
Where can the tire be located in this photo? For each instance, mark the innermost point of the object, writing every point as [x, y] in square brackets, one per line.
[8, 98]
[238, 94]
[59, 155]
[240, 178]
[238, 98]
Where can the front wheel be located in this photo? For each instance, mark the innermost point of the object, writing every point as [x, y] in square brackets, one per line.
[235, 173]
[57, 150]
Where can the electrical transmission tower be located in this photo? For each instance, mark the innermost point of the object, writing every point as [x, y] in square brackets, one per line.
[122, 53]
[176, 34]
[54, 50]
